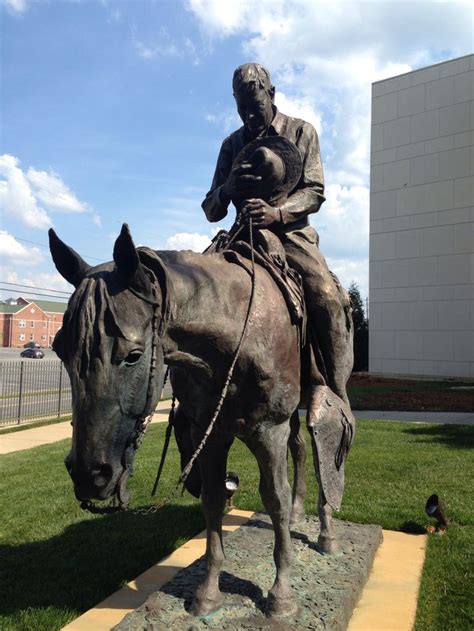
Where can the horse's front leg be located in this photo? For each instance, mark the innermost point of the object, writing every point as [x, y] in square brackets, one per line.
[270, 447]
[212, 465]
[297, 446]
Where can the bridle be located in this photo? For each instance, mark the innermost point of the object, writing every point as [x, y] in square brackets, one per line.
[121, 496]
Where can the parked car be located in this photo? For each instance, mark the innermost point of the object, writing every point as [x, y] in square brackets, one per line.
[31, 344]
[32, 353]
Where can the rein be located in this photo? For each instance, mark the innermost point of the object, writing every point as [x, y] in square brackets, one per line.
[144, 420]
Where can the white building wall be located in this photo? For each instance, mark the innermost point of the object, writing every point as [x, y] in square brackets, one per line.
[422, 222]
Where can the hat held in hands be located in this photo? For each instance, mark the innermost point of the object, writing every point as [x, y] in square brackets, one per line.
[277, 161]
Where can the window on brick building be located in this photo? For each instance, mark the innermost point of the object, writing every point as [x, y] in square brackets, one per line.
[32, 324]
[22, 324]
[21, 337]
[43, 338]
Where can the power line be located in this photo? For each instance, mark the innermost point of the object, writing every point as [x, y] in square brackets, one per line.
[35, 293]
[58, 291]
[42, 245]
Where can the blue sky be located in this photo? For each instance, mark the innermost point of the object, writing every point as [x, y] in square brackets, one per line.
[113, 111]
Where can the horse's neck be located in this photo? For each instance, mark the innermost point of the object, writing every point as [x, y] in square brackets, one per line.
[197, 290]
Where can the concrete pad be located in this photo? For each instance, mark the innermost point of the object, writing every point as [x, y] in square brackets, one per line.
[388, 602]
[390, 595]
[111, 610]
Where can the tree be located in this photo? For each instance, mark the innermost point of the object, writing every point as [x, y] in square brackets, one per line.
[361, 329]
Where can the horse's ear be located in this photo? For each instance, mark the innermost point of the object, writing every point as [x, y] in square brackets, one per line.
[69, 263]
[125, 255]
[127, 262]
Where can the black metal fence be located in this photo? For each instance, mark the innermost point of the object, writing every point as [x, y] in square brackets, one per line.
[31, 390]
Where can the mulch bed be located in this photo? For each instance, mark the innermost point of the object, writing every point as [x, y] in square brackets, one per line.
[368, 392]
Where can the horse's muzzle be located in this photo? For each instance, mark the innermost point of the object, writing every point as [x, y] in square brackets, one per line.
[98, 481]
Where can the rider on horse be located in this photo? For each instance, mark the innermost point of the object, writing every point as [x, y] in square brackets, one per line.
[239, 181]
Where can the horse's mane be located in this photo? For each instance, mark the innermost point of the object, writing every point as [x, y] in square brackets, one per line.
[91, 311]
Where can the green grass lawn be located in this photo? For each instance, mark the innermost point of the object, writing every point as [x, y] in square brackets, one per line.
[57, 561]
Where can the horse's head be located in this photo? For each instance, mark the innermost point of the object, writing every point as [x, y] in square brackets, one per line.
[109, 344]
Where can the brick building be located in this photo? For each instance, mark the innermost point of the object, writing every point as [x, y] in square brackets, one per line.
[25, 321]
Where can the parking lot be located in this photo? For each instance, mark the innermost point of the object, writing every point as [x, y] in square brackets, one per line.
[14, 354]
[35, 389]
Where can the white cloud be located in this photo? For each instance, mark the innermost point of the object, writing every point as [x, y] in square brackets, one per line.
[299, 108]
[45, 280]
[188, 241]
[220, 18]
[227, 120]
[162, 45]
[15, 6]
[348, 271]
[343, 221]
[16, 197]
[51, 190]
[12, 251]
[24, 196]
[323, 57]
[157, 50]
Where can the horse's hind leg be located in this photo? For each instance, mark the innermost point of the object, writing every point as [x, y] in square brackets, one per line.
[297, 446]
[327, 540]
[270, 448]
[212, 465]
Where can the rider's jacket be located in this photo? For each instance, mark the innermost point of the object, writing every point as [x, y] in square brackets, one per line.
[306, 197]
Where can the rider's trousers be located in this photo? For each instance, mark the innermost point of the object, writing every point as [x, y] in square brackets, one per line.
[327, 306]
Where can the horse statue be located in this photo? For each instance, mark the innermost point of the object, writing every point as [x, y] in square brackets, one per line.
[128, 318]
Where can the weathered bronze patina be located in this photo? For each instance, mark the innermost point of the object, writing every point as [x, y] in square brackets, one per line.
[230, 332]
[286, 214]
[281, 202]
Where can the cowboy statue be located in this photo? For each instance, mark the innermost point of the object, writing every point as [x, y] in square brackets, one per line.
[271, 170]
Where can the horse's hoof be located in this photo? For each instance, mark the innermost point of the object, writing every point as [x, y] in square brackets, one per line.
[204, 605]
[327, 545]
[280, 606]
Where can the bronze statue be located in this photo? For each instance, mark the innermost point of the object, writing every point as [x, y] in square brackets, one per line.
[284, 211]
[230, 324]
[287, 216]
[128, 318]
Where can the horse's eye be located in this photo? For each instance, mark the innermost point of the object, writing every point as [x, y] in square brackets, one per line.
[132, 358]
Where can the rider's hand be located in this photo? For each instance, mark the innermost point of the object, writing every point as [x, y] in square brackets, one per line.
[263, 215]
[240, 179]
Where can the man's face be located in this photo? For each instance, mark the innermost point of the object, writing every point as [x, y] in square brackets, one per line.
[255, 107]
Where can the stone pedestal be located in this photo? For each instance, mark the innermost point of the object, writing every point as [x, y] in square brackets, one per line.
[327, 587]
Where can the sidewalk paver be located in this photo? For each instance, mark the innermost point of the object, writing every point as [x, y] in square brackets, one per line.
[446, 418]
[35, 436]
[113, 609]
[390, 596]
[17, 441]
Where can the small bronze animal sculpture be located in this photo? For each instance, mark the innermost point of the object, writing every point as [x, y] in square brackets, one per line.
[128, 318]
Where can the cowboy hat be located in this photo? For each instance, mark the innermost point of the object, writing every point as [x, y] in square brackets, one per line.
[278, 162]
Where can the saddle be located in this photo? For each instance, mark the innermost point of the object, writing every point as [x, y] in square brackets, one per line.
[270, 255]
